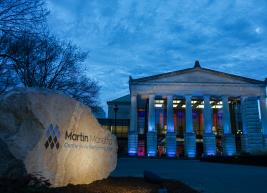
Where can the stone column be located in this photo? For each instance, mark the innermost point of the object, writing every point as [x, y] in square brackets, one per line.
[133, 134]
[171, 135]
[151, 134]
[189, 137]
[263, 107]
[209, 140]
[229, 147]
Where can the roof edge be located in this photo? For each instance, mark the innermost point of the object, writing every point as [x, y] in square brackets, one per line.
[196, 68]
[121, 100]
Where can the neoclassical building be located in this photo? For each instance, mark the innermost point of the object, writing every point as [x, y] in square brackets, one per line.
[192, 112]
[196, 111]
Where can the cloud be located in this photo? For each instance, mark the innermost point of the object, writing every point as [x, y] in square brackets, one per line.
[141, 38]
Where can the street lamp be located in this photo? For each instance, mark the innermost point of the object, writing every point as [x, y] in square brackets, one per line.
[116, 108]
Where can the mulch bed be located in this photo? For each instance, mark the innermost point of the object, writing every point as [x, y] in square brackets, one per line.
[110, 185]
[255, 160]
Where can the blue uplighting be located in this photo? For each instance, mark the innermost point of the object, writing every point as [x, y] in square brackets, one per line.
[171, 154]
[132, 152]
[132, 144]
[229, 148]
[209, 144]
[230, 152]
[151, 153]
[211, 153]
[191, 154]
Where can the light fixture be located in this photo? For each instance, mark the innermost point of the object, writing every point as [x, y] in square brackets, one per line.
[200, 106]
[217, 107]
[158, 105]
[159, 101]
[176, 101]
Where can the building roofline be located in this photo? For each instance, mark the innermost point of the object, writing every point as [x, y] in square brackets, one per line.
[121, 100]
[197, 67]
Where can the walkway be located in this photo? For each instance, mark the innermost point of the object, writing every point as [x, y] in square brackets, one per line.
[205, 177]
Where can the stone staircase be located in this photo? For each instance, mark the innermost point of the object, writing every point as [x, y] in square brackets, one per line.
[252, 141]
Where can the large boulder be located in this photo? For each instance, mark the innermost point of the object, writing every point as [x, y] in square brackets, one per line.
[53, 136]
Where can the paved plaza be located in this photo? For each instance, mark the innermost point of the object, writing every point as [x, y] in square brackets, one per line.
[202, 176]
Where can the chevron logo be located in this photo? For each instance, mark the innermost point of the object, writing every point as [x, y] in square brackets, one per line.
[52, 137]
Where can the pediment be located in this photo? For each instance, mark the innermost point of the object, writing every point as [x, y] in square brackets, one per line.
[197, 75]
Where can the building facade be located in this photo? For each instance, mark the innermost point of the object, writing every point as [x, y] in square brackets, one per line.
[194, 112]
[118, 121]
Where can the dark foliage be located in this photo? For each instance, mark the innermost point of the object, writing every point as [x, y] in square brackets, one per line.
[109, 185]
[42, 61]
[30, 57]
[26, 184]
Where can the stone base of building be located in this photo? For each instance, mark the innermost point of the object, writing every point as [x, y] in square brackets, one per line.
[253, 143]
[229, 146]
[209, 143]
[265, 142]
[132, 143]
[190, 145]
[171, 144]
[151, 144]
[244, 143]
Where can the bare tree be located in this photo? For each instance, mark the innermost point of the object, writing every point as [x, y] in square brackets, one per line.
[33, 59]
[6, 76]
[43, 61]
[17, 16]
[22, 15]
[6, 81]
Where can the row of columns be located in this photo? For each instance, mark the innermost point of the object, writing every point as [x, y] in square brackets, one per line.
[209, 140]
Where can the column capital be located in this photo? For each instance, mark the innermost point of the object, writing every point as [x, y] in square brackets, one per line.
[206, 97]
[225, 98]
[134, 95]
[188, 97]
[169, 96]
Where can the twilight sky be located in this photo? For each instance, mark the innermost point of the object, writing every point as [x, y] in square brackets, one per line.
[141, 38]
